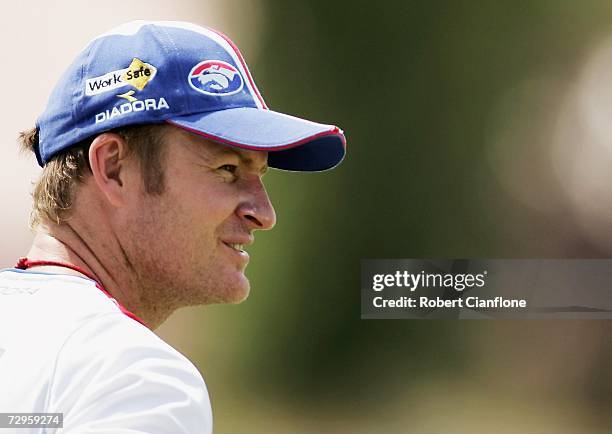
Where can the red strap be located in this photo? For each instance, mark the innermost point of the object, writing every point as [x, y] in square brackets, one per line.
[25, 263]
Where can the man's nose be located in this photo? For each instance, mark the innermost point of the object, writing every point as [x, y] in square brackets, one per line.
[257, 209]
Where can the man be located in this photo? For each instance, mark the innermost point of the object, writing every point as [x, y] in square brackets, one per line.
[153, 147]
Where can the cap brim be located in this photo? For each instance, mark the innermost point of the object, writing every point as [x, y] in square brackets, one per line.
[294, 143]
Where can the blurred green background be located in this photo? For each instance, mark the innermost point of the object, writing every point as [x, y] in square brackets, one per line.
[468, 133]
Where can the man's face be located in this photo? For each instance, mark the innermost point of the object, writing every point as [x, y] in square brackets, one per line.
[186, 245]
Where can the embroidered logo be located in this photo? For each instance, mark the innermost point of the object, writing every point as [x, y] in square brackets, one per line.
[215, 77]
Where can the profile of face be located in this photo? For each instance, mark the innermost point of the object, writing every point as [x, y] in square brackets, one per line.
[187, 244]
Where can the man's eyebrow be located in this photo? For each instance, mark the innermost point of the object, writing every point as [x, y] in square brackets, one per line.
[247, 161]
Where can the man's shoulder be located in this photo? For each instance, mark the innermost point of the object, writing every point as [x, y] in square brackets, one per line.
[68, 348]
[113, 372]
[38, 311]
[55, 298]
[113, 339]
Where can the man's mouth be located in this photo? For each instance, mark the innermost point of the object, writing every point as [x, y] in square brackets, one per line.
[238, 247]
[237, 251]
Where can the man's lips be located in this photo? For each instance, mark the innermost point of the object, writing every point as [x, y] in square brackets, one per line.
[237, 244]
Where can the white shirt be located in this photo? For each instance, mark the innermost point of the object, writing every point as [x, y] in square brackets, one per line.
[65, 347]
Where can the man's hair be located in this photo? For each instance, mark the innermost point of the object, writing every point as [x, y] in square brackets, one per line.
[54, 192]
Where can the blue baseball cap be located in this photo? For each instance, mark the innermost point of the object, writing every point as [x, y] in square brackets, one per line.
[193, 77]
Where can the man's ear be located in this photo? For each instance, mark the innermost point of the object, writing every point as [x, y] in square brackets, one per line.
[108, 160]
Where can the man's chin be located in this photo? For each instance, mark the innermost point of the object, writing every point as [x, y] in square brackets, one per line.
[238, 291]
[233, 289]
[237, 296]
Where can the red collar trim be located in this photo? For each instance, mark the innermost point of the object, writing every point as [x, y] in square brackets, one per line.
[25, 263]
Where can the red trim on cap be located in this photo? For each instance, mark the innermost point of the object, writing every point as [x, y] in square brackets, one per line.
[334, 131]
[244, 65]
[25, 263]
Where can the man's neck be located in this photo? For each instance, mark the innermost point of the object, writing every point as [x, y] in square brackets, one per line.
[63, 243]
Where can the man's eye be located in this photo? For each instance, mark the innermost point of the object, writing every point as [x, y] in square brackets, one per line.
[229, 168]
